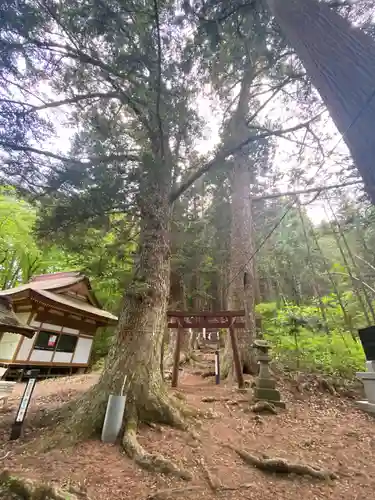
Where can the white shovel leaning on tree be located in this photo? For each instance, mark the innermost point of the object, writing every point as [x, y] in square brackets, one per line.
[114, 416]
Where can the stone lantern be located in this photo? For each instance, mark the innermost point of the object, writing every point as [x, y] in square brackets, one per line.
[265, 385]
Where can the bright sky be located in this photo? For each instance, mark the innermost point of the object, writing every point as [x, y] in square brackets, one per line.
[286, 154]
[285, 157]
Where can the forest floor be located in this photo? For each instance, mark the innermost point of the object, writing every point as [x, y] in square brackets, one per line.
[317, 428]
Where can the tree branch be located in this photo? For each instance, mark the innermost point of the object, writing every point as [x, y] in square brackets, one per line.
[223, 155]
[68, 51]
[62, 102]
[268, 100]
[93, 160]
[304, 191]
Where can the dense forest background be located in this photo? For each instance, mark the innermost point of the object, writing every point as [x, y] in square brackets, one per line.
[135, 167]
[314, 281]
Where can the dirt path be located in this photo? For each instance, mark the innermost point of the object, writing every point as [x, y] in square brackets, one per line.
[318, 429]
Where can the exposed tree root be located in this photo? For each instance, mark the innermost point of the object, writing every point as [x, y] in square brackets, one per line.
[78, 420]
[148, 461]
[228, 401]
[171, 493]
[168, 410]
[244, 486]
[263, 407]
[12, 488]
[148, 404]
[280, 465]
[185, 411]
[195, 357]
[213, 481]
[210, 399]
[179, 395]
[185, 358]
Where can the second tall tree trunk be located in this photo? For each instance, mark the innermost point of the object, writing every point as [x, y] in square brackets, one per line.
[340, 61]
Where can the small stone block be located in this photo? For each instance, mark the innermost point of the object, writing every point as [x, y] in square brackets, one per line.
[267, 394]
[265, 383]
[366, 406]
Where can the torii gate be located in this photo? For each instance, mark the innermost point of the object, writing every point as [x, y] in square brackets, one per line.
[207, 319]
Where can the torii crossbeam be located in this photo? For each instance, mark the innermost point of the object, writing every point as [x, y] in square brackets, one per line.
[182, 320]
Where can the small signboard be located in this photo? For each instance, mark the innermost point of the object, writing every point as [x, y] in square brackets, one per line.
[16, 430]
[367, 337]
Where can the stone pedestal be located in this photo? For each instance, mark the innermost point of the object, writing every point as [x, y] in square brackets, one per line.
[265, 388]
[368, 380]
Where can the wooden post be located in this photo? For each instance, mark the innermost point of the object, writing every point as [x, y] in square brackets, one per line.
[217, 367]
[236, 357]
[176, 360]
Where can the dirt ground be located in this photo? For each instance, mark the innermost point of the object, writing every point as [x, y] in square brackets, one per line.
[317, 428]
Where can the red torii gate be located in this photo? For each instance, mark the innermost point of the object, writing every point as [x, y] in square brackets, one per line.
[209, 320]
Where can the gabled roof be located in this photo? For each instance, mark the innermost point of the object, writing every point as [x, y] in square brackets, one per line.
[54, 289]
[55, 276]
[50, 284]
[78, 305]
[9, 321]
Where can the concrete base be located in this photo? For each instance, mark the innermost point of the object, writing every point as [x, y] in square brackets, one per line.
[270, 395]
[368, 380]
[266, 394]
[366, 406]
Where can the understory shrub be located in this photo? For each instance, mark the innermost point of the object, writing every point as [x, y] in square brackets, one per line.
[302, 340]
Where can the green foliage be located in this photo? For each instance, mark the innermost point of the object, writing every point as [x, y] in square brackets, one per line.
[100, 253]
[21, 256]
[267, 310]
[300, 343]
[100, 348]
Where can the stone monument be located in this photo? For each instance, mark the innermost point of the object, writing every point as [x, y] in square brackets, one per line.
[265, 385]
[368, 380]
[367, 337]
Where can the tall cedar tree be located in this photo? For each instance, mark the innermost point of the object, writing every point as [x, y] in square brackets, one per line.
[340, 61]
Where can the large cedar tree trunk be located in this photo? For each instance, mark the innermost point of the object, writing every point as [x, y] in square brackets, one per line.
[136, 351]
[241, 240]
[340, 61]
[241, 289]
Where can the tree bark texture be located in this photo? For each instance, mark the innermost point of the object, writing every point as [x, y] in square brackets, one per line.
[136, 350]
[241, 289]
[340, 61]
[187, 347]
[241, 240]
